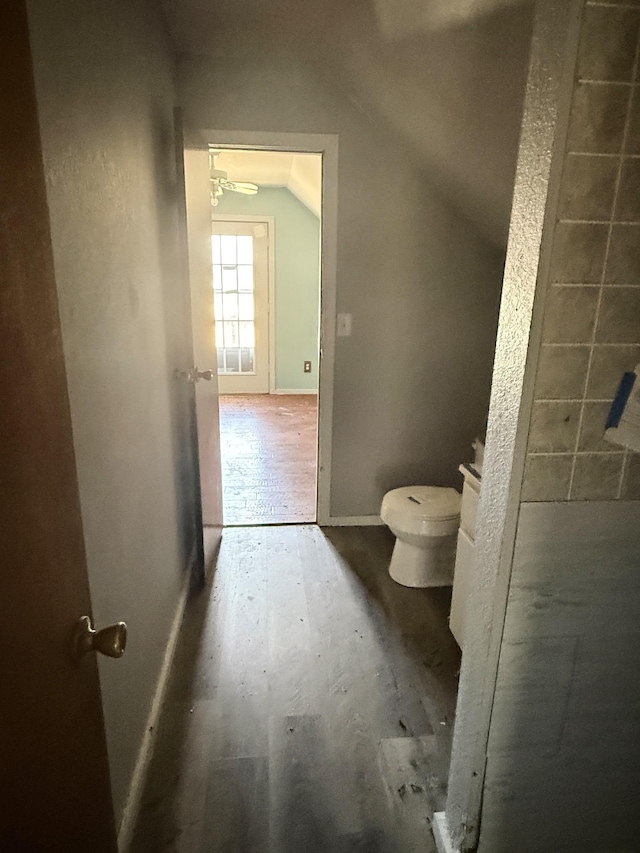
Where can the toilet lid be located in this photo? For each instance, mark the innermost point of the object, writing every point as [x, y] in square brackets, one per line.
[429, 502]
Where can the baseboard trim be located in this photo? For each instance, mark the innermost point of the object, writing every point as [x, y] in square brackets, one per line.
[308, 391]
[132, 806]
[441, 834]
[352, 521]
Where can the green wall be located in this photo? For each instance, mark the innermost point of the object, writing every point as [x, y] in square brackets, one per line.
[297, 284]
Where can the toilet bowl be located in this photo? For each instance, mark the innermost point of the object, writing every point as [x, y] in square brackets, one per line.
[425, 520]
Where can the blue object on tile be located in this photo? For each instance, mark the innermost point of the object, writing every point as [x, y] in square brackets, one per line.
[622, 395]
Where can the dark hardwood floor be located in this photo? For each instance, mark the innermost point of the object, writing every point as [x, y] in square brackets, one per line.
[269, 449]
[310, 706]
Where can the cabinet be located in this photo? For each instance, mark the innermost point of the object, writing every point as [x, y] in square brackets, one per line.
[465, 552]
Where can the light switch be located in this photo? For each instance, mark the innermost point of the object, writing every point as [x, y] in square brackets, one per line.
[343, 325]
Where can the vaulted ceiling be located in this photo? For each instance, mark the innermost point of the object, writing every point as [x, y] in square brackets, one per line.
[299, 173]
[445, 76]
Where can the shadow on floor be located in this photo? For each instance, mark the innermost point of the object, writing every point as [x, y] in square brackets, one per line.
[309, 706]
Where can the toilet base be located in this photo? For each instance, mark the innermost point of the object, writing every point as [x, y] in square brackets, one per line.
[424, 567]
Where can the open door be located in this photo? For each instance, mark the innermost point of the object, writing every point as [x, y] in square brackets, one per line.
[56, 793]
[204, 374]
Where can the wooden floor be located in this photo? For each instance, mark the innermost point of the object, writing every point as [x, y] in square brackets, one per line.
[269, 449]
[310, 707]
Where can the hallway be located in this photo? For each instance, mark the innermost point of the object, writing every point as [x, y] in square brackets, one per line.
[310, 706]
[269, 458]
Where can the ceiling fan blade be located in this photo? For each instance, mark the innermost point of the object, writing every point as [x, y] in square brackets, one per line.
[240, 187]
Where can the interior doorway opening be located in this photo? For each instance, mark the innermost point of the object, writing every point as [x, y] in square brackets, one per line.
[266, 239]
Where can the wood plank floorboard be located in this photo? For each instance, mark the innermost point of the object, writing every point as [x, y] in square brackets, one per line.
[310, 704]
[269, 449]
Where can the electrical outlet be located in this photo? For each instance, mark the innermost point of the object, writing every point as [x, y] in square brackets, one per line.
[307, 367]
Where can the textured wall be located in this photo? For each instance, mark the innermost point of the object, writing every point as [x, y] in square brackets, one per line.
[297, 281]
[412, 382]
[591, 332]
[105, 95]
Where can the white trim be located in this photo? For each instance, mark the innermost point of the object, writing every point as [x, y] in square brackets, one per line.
[441, 834]
[136, 788]
[327, 145]
[352, 521]
[309, 391]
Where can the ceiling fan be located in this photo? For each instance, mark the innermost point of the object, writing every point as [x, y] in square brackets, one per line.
[220, 182]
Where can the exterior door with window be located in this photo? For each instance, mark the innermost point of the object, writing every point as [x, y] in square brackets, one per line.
[240, 252]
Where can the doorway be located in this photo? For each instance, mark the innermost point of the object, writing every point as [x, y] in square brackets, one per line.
[266, 238]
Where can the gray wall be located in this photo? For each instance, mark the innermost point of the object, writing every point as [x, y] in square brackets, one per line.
[105, 94]
[296, 250]
[446, 76]
[421, 280]
[563, 751]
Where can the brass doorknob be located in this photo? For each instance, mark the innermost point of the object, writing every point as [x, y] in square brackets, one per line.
[203, 374]
[110, 641]
[194, 375]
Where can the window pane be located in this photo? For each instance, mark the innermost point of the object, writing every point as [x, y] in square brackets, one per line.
[245, 250]
[217, 277]
[247, 335]
[229, 278]
[233, 360]
[231, 335]
[246, 360]
[220, 359]
[217, 305]
[228, 249]
[230, 306]
[245, 301]
[219, 335]
[245, 277]
[215, 249]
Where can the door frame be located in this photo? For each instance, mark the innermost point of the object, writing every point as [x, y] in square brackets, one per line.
[327, 145]
[269, 221]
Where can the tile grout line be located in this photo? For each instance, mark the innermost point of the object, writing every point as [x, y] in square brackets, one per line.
[627, 222]
[586, 343]
[578, 453]
[627, 155]
[627, 83]
[592, 284]
[625, 136]
[611, 4]
[555, 234]
[614, 205]
[571, 400]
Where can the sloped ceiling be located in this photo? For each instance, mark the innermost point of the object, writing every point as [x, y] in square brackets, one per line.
[445, 76]
[299, 173]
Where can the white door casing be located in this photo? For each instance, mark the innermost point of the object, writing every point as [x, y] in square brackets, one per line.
[327, 145]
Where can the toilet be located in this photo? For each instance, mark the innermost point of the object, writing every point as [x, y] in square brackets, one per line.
[425, 521]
